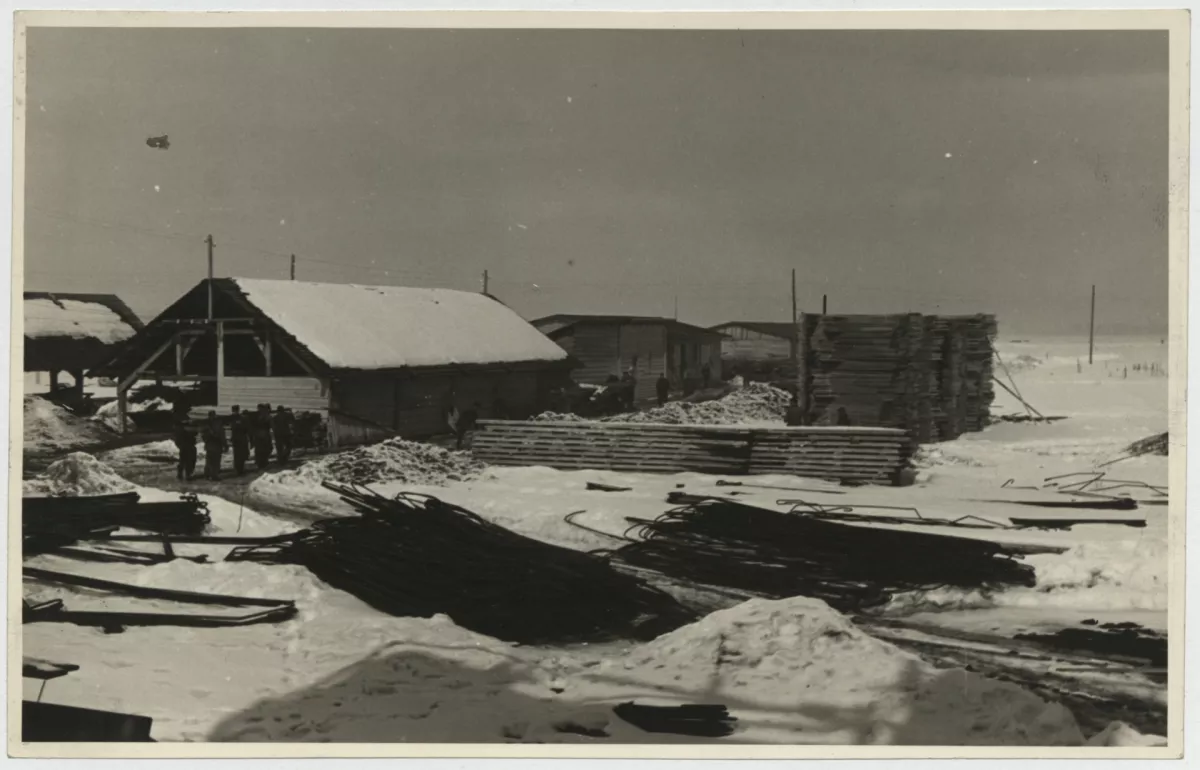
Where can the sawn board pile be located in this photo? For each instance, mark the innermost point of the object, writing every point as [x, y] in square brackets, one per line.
[831, 452]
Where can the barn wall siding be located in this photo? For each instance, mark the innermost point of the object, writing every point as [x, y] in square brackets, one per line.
[296, 393]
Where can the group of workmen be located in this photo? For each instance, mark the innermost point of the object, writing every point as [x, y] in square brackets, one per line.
[264, 431]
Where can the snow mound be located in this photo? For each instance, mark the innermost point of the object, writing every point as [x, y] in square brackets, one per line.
[755, 402]
[800, 655]
[49, 427]
[162, 452]
[108, 416]
[392, 460]
[932, 456]
[1121, 734]
[76, 475]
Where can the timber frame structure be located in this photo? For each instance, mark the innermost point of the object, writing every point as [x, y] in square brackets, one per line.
[215, 337]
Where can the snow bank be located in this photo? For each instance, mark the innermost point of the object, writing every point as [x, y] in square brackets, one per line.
[49, 428]
[162, 452]
[842, 685]
[373, 327]
[108, 415]
[756, 402]
[72, 318]
[1121, 734]
[76, 475]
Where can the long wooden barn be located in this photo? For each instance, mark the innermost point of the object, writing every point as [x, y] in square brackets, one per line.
[610, 345]
[373, 361]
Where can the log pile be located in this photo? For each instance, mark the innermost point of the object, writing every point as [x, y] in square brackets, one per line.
[928, 375]
[837, 453]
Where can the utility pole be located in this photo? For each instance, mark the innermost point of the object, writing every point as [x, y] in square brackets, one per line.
[293, 267]
[485, 282]
[1092, 327]
[209, 241]
[794, 316]
[824, 304]
[676, 316]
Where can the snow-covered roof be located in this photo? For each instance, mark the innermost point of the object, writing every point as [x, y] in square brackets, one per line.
[384, 327]
[74, 318]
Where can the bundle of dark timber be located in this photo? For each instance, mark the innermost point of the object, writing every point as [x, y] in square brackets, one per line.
[419, 556]
[724, 543]
[929, 375]
[839, 453]
[50, 522]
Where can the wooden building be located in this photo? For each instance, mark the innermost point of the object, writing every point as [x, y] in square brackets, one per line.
[373, 361]
[609, 345]
[756, 340]
[66, 332]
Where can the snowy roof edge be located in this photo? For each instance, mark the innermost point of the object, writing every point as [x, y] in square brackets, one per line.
[238, 286]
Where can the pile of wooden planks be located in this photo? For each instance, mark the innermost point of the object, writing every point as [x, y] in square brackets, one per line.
[844, 453]
[928, 375]
[839, 453]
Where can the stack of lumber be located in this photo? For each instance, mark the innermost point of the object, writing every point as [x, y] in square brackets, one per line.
[979, 330]
[867, 365]
[842, 453]
[615, 446]
[928, 375]
[828, 452]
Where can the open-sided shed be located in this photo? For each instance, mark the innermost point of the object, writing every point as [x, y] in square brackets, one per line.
[69, 332]
[373, 360]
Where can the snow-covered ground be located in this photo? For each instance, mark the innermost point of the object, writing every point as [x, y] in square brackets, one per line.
[790, 671]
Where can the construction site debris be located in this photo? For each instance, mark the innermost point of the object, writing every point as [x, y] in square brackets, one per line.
[724, 543]
[706, 721]
[52, 522]
[1068, 523]
[270, 610]
[598, 487]
[418, 556]
[1156, 445]
[1114, 640]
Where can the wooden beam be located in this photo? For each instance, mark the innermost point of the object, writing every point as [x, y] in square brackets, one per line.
[125, 383]
[267, 352]
[208, 322]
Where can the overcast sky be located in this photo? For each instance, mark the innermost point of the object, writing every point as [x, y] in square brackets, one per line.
[613, 171]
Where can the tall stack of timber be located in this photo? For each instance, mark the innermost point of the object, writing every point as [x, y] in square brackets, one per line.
[928, 375]
[979, 330]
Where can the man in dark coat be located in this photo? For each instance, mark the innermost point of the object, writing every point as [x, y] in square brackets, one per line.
[261, 436]
[239, 439]
[466, 423]
[185, 442]
[662, 387]
[795, 415]
[281, 426]
[214, 446]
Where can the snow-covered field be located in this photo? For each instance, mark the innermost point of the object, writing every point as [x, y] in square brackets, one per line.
[791, 671]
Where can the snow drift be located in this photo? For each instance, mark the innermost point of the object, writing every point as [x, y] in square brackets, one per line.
[76, 475]
[50, 428]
